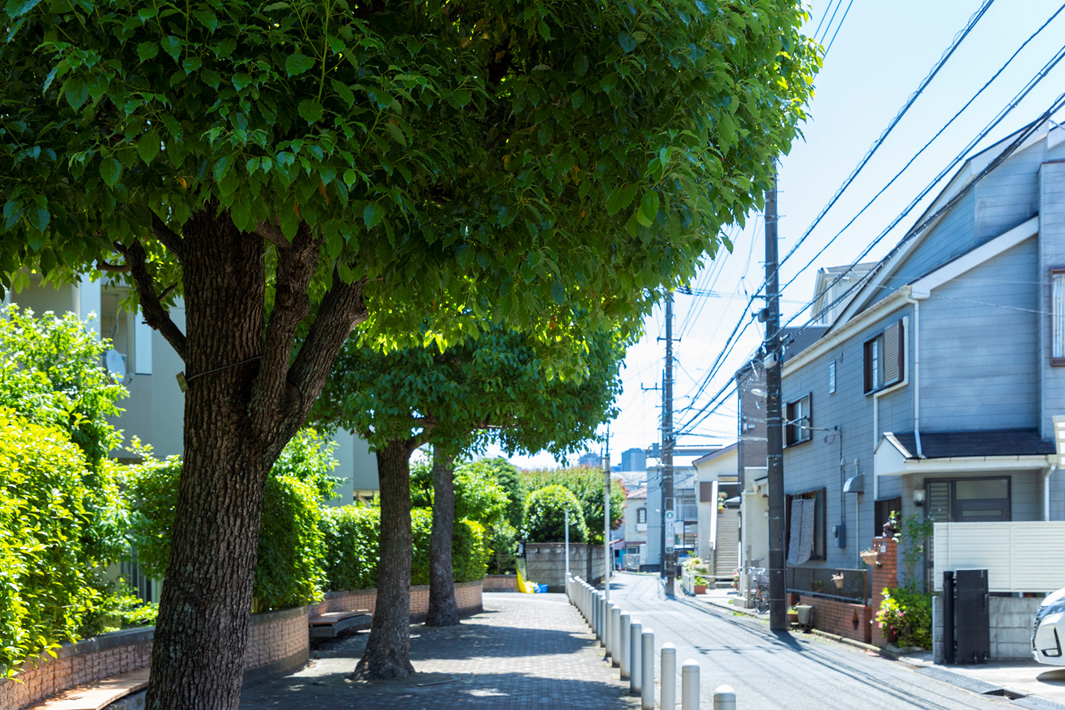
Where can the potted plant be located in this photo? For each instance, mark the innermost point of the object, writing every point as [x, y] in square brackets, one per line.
[793, 616]
[870, 557]
[837, 579]
[700, 585]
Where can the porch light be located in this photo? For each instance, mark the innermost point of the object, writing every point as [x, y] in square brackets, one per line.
[918, 497]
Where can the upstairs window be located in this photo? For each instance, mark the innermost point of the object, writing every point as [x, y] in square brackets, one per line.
[884, 358]
[1057, 316]
[641, 515]
[798, 421]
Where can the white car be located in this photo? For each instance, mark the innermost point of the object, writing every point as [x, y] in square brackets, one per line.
[1048, 634]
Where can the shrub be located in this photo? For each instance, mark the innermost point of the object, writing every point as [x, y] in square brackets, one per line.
[351, 546]
[905, 617]
[469, 551]
[545, 516]
[478, 496]
[587, 485]
[421, 528]
[502, 540]
[289, 569]
[50, 563]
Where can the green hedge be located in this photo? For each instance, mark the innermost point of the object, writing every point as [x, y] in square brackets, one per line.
[586, 483]
[351, 543]
[545, 516]
[49, 576]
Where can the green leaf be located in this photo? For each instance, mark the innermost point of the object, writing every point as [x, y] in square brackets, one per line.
[620, 198]
[372, 214]
[17, 8]
[147, 13]
[558, 292]
[608, 82]
[110, 171]
[207, 18]
[148, 145]
[191, 64]
[544, 30]
[39, 217]
[76, 91]
[171, 45]
[344, 92]
[310, 110]
[147, 50]
[298, 63]
[648, 208]
[627, 42]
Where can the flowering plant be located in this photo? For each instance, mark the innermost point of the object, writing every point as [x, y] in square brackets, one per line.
[905, 617]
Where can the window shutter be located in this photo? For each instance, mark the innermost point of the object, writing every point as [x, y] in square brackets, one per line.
[892, 353]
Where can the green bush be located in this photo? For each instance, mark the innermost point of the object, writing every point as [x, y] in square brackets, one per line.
[905, 617]
[502, 540]
[469, 551]
[289, 570]
[545, 516]
[478, 496]
[587, 485]
[421, 528]
[50, 568]
[120, 609]
[351, 534]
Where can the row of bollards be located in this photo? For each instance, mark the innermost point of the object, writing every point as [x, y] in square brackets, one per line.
[631, 648]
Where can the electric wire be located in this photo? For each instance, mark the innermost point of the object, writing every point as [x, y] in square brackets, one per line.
[841, 21]
[823, 16]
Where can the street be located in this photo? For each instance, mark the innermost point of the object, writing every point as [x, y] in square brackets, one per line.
[774, 671]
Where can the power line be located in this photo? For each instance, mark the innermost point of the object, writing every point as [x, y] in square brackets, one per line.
[841, 21]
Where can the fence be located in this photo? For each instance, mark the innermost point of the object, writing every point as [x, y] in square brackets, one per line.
[631, 649]
[1018, 557]
[820, 581]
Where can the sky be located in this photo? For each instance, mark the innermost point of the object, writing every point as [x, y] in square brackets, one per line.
[877, 56]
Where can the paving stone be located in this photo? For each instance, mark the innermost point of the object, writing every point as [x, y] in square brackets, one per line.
[524, 651]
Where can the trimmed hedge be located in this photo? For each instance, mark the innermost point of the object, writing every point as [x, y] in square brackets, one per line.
[545, 516]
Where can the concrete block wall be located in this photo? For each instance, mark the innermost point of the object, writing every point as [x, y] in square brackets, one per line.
[501, 583]
[837, 617]
[546, 563]
[1011, 627]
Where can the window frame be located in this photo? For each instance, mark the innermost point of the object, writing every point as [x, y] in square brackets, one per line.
[1057, 274]
[795, 432]
[874, 359]
[641, 513]
[832, 376]
[820, 497]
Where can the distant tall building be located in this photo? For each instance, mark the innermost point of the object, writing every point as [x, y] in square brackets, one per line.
[590, 459]
[634, 460]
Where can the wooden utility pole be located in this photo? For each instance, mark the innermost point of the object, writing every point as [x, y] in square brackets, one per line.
[668, 440]
[774, 432]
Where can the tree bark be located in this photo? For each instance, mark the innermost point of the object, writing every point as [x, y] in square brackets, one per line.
[387, 653]
[443, 611]
[244, 403]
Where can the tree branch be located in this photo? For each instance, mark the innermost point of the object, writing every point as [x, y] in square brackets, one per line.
[112, 268]
[271, 233]
[169, 239]
[155, 314]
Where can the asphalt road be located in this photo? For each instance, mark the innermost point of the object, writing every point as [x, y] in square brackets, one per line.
[777, 671]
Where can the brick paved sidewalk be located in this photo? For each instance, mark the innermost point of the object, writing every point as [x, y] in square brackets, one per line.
[524, 651]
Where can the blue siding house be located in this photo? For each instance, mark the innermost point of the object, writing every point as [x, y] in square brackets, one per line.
[935, 388]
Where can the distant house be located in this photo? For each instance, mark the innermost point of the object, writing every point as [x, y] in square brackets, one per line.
[935, 388]
[635, 528]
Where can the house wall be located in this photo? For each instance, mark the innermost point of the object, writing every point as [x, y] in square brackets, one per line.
[978, 339]
[1011, 628]
[1051, 255]
[847, 415]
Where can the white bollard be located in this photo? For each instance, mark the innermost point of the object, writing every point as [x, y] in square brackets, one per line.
[626, 621]
[689, 685]
[635, 676]
[668, 694]
[615, 635]
[608, 643]
[724, 698]
[647, 668]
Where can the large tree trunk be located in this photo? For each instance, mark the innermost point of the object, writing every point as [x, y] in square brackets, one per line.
[388, 648]
[244, 402]
[443, 611]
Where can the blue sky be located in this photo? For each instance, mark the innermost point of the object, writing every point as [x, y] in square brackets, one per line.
[880, 55]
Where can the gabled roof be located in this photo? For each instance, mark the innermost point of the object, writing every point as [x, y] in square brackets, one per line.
[966, 444]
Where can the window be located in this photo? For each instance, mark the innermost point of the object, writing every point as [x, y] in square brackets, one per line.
[1057, 317]
[804, 528]
[641, 515]
[798, 420]
[832, 377]
[706, 492]
[968, 500]
[884, 358]
[882, 511]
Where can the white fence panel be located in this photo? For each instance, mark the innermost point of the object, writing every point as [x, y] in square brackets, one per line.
[1019, 557]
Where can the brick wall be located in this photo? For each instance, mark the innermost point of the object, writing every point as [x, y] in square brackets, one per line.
[841, 618]
[501, 583]
[276, 637]
[884, 575]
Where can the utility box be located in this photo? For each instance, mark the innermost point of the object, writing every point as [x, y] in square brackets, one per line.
[971, 619]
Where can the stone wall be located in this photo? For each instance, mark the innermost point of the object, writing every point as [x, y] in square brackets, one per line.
[278, 643]
[841, 618]
[1011, 627]
[546, 563]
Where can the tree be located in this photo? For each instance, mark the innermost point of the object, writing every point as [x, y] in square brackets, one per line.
[316, 164]
[545, 515]
[493, 387]
[587, 484]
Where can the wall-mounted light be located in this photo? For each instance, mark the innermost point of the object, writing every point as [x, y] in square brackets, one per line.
[918, 497]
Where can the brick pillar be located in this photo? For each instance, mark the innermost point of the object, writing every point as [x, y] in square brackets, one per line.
[884, 575]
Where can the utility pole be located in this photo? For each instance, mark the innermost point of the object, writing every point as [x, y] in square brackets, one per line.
[608, 549]
[667, 455]
[774, 433]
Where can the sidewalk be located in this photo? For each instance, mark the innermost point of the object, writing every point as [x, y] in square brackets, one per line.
[524, 651]
[1031, 684]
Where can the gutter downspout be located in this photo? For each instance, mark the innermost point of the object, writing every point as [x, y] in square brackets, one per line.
[915, 301]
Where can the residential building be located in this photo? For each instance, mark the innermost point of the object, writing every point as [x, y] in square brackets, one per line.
[935, 389]
[718, 531]
[634, 460]
[635, 528]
